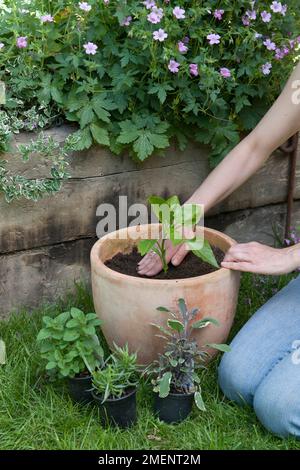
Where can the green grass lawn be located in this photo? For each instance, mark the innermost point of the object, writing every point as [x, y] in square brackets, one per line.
[35, 414]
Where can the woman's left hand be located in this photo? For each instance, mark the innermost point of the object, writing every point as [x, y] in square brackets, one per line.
[261, 259]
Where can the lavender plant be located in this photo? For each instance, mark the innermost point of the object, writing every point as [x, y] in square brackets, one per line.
[176, 369]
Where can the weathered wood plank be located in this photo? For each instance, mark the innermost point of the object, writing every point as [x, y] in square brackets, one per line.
[31, 278]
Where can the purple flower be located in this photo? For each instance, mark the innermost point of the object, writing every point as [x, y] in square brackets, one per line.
[149, 4]
[90, 48]
[173, 66]
[224, 72]
[270, 45]
[47, 19]
[213, 39]
[156, 15]
[218, 14]
[182, 47]
[194, 70]
[251, 14]
[245, 20]
[265, 16]
[160, 35]
[126, 21]
[85, 6]
[266, 68]
[277, 7]
[22, 42]
[179, 13]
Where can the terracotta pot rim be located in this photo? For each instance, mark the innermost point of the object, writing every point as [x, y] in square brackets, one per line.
[100, 268]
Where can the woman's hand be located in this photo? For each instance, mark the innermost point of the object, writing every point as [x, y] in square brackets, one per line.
[151, 264]
[261, 259]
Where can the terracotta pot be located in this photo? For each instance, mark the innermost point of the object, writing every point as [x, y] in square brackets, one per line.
[127, 305]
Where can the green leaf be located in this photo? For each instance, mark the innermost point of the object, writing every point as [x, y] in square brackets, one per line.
[163, 309]
[143, 146]
[71, 335]
[206, 254]
[78, 314]
[86, 116]
[164, 385]
[83, 138]
[43, 334]
[51, 365]
[144, 246]
[199, 401]
[219, 347]
[176, 325]
[182, 307]
[100, 134]
[205, 322]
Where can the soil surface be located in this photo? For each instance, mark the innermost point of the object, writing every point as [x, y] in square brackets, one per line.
[192, 266]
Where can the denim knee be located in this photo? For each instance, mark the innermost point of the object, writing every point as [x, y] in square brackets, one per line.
[234, 379]
[278, 410]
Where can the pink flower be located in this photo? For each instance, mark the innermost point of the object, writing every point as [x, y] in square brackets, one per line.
[270, 45]
[213, 39]
[224, 72]
[179, 13]
[265, 16]
[160, 35]
[47, 19]
[126, 21]
[173, 66]
[194, 70]
[85, 6]
[182, 47]
[22, 42]
[90, 48]
[266, 68]
[218, 14]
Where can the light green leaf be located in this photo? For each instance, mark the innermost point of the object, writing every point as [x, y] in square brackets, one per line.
[219, 347]
[205, 322]
[199, 401]
[176, 325]
[206, 254]
[143, 146]
[144, 246]
[164, 385]
[71, 335]
[43, 334]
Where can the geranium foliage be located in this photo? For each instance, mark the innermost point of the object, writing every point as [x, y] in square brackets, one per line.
[136, 74]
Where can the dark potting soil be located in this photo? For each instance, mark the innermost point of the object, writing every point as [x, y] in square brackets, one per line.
[192, 266]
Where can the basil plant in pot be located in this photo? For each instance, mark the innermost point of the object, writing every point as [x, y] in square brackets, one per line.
[199, 279]
[174, 375]
[114, 388]
[71, 348]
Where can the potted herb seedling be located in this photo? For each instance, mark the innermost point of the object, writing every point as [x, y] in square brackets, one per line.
[175, 380]
[124, 298]
[176, 220]
[70, 345]
[114, 388]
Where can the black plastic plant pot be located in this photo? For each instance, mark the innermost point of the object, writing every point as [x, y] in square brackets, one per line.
[80, 389]
[119, 412]
[175, 408]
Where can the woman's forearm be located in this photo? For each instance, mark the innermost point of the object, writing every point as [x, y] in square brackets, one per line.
[280, 123]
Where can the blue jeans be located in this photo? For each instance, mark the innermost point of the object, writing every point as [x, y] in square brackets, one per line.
[263, 367]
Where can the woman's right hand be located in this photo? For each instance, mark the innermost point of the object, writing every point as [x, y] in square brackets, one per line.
[151, 264]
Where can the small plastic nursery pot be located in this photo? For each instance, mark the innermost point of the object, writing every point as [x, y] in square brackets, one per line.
[119, 412]
[80, 389]
[175, 408]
